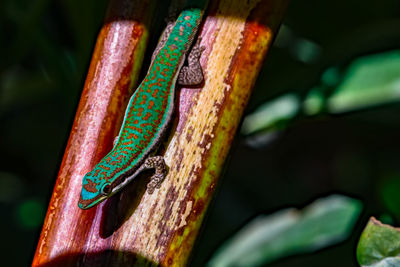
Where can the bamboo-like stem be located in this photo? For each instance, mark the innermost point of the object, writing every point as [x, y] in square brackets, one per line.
[135, 228]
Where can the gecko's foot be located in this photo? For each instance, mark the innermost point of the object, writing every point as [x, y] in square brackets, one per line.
[155, 182]
[158, 163]
[192, 74]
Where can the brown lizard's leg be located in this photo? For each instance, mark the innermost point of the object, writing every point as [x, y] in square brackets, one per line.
[157, 163]
[192, 74]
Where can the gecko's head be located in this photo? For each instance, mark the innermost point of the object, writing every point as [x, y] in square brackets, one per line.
[94, 190]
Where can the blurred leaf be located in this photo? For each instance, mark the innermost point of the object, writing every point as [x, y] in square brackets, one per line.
[390, 194]
[314, 102]
[30, 213]
[331, 77]
[305, 50]
[325, 222]
[369, 80]
[379, 245]
[260, 140]
[280, 109]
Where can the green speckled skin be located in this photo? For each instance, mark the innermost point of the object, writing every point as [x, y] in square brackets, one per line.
[147, 116]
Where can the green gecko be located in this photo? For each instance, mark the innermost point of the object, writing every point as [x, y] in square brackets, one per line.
[149, 112]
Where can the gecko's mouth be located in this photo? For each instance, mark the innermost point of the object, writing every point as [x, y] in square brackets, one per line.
[88, 203]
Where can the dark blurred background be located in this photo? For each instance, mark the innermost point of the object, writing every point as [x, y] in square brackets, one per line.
[330, 88]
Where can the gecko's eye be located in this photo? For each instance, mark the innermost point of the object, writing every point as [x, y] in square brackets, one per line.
[106, 189]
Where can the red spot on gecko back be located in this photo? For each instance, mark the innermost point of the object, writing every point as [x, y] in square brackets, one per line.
[164, 72]
[143, 100]
[155, 92]
[131, 135]
[151, 104]
[140, 112]
[172, 47]
[137, 129]
[148, 114]
[96, 173]
[120, 157]
[128, 143]
[145, 124]
[90, 186]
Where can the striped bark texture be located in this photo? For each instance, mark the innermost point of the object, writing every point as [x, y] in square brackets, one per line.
[133, 227]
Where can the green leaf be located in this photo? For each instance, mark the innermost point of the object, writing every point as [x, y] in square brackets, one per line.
[267, 115]
[369, 80]
[266, 238]
[379, 245]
